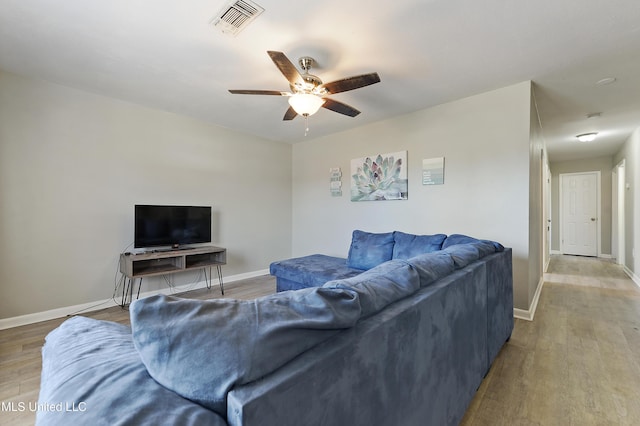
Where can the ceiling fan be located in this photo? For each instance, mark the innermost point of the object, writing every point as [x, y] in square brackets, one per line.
[308, 92]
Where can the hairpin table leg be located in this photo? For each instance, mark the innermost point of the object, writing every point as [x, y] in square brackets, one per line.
[139, 286]
[220, 278]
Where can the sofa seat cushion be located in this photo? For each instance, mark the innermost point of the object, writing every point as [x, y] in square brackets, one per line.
[200, 349]
[93, 367]
[313, 270]
[380, 286]
[368, 250]
[407, 246]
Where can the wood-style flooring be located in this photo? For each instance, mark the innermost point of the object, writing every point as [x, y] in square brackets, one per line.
[577, 363]
[20, 358]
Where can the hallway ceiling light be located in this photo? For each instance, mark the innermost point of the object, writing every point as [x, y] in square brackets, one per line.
[606, 80]
[587, 137]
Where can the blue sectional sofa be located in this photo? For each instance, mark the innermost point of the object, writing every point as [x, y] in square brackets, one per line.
[404, 341]
[366, 251]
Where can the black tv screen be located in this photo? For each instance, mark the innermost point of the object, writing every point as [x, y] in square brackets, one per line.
[171, 225]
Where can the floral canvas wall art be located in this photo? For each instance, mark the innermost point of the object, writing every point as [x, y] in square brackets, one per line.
[380, 177]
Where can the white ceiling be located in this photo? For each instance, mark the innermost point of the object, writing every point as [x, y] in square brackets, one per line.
[164, 54]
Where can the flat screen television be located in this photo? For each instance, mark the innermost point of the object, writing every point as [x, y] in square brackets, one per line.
[173, 226]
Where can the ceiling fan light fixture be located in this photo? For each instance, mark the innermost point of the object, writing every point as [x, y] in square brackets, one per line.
[587, 137]
[305, 104]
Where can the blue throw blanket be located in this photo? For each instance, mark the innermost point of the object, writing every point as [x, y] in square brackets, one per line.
[92, 375]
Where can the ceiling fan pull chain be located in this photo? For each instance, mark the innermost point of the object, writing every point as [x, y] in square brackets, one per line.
[306, 124]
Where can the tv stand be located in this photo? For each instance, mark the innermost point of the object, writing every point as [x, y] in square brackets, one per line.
[165, 250]
[171, 261]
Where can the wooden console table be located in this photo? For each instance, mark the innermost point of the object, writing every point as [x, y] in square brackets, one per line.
[164, 262]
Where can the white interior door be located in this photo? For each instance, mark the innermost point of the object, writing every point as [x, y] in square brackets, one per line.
[579, 214]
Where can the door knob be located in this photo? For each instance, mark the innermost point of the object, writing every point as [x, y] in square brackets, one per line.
[593, 219]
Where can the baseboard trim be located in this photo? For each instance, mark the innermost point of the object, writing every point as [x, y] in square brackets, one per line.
[97, 305]
[631, 275]
[600, 255]
[528, 315]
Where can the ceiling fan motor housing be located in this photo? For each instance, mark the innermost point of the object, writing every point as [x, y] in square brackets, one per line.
[311, 82]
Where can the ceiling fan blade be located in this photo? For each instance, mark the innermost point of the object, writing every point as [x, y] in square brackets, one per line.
[351, 83]
[290, 114]
[259, 92]
[285, 66]
[339, 107]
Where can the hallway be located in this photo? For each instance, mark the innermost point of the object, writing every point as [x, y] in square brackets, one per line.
[578, 362]
[589, 272]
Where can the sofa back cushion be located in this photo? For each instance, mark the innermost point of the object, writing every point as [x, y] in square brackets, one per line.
[455, 239]
[200, 349]
[432, 266]
[407, 246]
[368, 249]
[485, 248]
[381, 286]
[463, 254]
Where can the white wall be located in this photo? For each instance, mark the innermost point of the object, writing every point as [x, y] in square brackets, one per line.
[537, 157]
[485, 142]
[72, 166]
[630, 152]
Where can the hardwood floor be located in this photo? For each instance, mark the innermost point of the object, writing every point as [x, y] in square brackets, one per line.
[577, 363]
[20, 358]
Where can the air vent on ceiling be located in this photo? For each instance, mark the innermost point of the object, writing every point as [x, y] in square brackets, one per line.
[234, 17]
